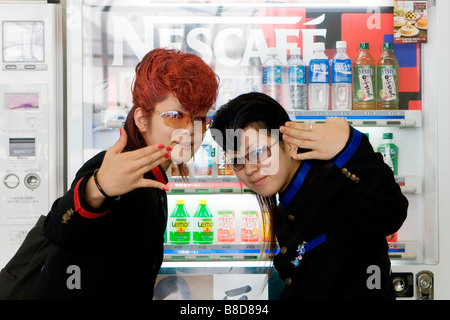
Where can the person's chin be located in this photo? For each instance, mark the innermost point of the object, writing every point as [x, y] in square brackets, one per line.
[181, 154]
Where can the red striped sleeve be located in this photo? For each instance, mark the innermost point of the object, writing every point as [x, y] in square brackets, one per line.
[78, 208]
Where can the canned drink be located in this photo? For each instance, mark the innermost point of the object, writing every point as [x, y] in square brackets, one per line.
[249, 226]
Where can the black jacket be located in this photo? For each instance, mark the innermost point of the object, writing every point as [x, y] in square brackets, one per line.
[115, 251]
[346, 207]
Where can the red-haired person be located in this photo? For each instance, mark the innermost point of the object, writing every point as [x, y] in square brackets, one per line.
[108, 229]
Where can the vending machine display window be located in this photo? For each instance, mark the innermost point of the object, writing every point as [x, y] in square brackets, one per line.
[23, 41]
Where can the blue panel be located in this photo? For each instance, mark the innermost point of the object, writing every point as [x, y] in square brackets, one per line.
[406, 53]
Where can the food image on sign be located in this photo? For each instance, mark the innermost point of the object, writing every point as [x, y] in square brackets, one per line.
[410, 21]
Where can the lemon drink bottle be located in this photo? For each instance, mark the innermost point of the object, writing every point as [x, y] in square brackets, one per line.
[202, 228]
[178, 225]
[364, 79]
[387, 79]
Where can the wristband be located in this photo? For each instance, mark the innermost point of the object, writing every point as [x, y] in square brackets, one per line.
[101, 190]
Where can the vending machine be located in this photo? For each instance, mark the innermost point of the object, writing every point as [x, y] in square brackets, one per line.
[31, 117]
[105, 41]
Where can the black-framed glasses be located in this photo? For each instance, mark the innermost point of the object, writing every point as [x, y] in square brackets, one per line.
[255, 156]
[179, 120]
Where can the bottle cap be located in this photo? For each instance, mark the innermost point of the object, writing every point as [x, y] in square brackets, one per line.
[388, 135]
[179, 201]
[272, 51]
[341, 44]
[319, 46]
[363, 45]
[202, 201]
[387, 45]
[296, 51]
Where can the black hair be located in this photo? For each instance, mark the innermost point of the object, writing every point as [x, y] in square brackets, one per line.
[259, 111]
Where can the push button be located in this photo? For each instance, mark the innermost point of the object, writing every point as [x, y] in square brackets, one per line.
[288, 281]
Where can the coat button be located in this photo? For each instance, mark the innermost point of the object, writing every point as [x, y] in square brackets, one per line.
[288, 281]
[67, 216]
[291, 218]
[283, 250]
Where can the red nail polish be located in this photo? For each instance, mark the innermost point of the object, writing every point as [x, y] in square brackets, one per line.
[166, 188]
[160, 146]
[168, 148]
[167, 156]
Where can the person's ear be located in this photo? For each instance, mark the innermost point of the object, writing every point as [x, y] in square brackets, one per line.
[290, 148]
[141, 120]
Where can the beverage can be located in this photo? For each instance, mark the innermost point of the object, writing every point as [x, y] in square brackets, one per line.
[249, 226]
[225, 226]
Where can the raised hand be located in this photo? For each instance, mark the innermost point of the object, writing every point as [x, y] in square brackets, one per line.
[325, 140]
[122, 172]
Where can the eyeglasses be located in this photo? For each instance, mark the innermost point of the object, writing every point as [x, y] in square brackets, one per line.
[179, 120]
[257, 155]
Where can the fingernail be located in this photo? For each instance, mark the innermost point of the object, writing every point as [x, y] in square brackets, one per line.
[166, 188]
[168, 148]
[160, 146]
[167, 156]
[120, 131]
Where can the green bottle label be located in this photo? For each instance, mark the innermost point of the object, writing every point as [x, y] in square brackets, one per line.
[387, 79]
[364, 83]
[179, 231]
[203, 231]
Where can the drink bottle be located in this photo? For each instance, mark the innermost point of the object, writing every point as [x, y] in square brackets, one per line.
[389, 151]
[249, 226]
[319, 79]
[341, 78]
[202, 224]
[387, 79]
[225, 226]
[296, 74]
[364, 79]
[178, 225]
[272, 75]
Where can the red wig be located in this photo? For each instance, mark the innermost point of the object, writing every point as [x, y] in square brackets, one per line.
[165, 71]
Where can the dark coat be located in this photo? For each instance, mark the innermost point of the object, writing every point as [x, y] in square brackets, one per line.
[355, 202]
[116, 250]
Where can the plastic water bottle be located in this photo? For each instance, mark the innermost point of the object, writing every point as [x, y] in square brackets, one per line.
[296, 72]
[272, 75]
[319, 79]
[341, 79]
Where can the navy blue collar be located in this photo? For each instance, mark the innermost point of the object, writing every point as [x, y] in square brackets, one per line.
[342, 159]
[295, 186]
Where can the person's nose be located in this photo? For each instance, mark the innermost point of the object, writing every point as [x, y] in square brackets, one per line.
[250, 168]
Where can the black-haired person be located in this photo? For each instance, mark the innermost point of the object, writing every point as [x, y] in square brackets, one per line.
[333, 214]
